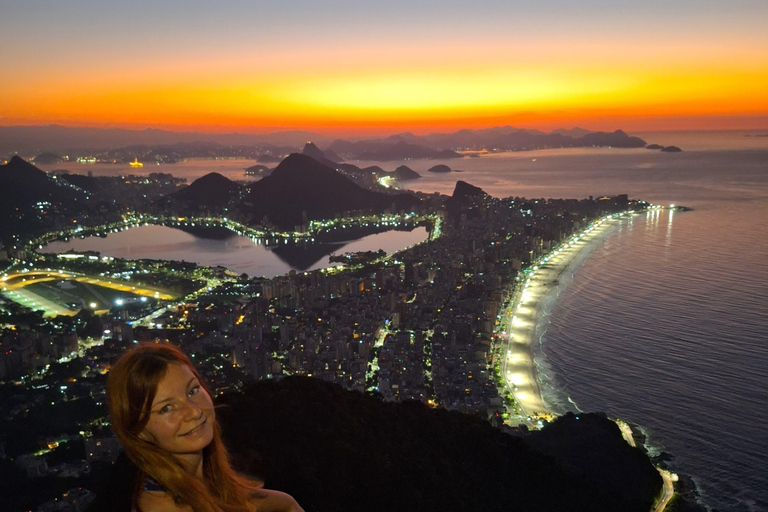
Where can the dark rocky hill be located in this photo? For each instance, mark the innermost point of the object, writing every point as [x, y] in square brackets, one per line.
[405, 173]
[463, 197]
[32, 200]
[464, 190]
[338, 450]
[210, 192]
[440, 168]
[301, 187]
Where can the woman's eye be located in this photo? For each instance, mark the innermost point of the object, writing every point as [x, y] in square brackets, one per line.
[165, 409]
[195, 390]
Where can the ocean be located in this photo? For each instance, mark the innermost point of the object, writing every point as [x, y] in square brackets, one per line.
[664, 323]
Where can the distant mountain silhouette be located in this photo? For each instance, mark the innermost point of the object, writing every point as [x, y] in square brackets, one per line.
[47, 158]
[654, 146]
[210, 192]
[671, 149]
[440, 168]
[301, 187]
[573, 132]
[382, 150]
[313, 151]
[513, 139]
[617, 139]
[258, 170]
[28, 139]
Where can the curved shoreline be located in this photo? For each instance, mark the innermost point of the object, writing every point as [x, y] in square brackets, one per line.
[523, 313]
[519, 372]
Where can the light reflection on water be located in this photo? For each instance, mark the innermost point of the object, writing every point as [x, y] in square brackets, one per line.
[237, 253]
[665, 323]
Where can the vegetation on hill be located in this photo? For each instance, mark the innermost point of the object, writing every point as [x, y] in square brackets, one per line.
[338, 450]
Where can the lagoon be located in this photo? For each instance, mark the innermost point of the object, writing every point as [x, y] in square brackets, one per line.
[237, 253]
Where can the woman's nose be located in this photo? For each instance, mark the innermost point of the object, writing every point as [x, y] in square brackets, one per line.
[191, 410]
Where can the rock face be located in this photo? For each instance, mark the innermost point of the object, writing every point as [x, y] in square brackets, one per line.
[301, 188]
[440, 168]
[671, 149]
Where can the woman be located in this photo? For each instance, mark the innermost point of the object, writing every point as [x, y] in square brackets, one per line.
[163, 415]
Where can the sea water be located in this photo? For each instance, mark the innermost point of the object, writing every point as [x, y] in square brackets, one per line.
[664, 323]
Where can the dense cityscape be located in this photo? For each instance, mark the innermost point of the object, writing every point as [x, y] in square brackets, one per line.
[422, 324]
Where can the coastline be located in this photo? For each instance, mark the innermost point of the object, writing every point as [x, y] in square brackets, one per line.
[523, 312]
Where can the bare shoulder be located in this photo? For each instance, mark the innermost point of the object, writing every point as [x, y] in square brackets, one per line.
[157, 501]
[267, 500]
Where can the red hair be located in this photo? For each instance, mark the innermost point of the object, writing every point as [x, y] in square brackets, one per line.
[131, 388]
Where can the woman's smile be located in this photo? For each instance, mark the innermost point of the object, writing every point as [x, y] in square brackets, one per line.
[181, 417]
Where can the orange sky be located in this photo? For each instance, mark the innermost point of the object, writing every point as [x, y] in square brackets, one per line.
[577, 72]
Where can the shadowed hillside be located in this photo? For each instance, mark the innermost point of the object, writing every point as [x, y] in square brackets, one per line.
[303, 187]
[32, 201]
[210, 192]
[338, 450]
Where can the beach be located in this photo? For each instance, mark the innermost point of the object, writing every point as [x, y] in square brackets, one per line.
[524, 311]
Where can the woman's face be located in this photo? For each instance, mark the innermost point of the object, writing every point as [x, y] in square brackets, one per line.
[181, 417]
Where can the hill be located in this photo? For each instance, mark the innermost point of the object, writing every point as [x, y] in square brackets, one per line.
[439, 168]
[405, 173]
[301, 187]
[210, 192]
[617, 139]
[310, 149]
[338, 450]
[32, 200]
[461, 201]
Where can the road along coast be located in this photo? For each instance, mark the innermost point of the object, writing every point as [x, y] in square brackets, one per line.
[519, 318]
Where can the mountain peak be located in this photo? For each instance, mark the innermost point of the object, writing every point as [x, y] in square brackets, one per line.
[311, 150]
[301, 186]
[464, 189]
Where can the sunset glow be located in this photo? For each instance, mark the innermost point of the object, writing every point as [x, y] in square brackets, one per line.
[479, 71]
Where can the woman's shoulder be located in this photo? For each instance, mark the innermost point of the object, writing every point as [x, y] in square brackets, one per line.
[160, 501]
[267, 500]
